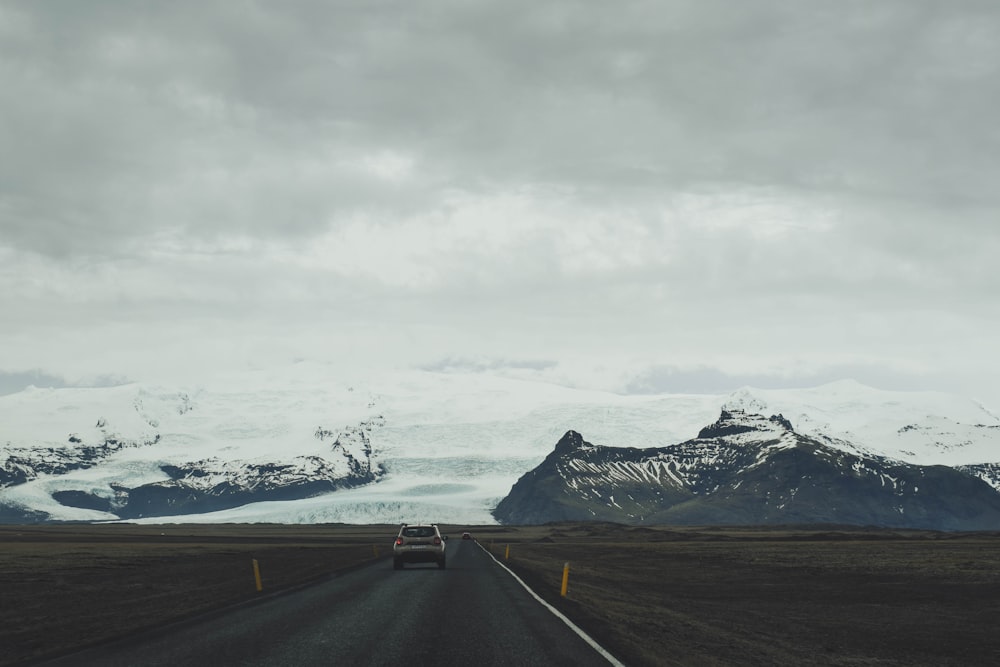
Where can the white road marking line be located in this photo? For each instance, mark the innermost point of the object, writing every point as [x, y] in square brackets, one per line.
[558, 614]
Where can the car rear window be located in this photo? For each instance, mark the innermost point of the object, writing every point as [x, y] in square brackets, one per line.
[422, 531]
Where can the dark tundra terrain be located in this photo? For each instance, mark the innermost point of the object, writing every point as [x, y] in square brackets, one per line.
[651, 595]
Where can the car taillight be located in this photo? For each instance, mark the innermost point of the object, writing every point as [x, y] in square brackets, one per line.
[399, 541]
[437, 540]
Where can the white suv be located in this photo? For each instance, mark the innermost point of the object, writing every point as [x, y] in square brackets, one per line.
[418, 543]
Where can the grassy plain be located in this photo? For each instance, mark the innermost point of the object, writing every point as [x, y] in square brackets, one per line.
[652, 596]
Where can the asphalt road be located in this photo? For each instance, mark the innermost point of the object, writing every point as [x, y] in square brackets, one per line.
[472, 613]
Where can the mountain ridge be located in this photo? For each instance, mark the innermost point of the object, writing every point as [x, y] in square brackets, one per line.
[746, 469]
[439, 446]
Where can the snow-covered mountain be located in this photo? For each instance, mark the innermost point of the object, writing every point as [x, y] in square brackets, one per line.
[747, 469]
[304, 444]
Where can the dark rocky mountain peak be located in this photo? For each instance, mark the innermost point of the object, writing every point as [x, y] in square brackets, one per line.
[571, 441]
[746, 469]
[735, 422]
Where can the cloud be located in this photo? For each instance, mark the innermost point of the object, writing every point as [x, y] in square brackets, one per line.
[280, 121]
[462, 365]
[668, 185]
[707, 380]
[11, 383]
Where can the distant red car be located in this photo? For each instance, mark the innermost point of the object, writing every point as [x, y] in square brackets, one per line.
[466, 536]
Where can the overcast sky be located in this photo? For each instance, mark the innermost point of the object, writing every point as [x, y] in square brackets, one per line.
[683, 195]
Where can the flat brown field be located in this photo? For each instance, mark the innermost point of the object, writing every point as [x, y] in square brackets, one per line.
[71, 585]
[652, 596]
[670, 596]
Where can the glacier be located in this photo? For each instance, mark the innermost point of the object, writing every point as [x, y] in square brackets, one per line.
[450, 445]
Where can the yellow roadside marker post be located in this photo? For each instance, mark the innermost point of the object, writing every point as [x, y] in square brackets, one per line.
[565, 581]
[256, 575]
